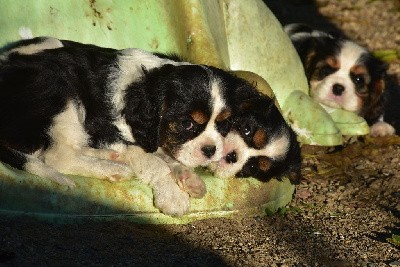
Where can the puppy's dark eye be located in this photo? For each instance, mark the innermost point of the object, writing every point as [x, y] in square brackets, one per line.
[246, 130]
[187, 124]
[358, 80]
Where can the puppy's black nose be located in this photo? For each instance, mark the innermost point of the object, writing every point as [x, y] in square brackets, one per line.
[208, 151]
[337, 89]
[231, 157]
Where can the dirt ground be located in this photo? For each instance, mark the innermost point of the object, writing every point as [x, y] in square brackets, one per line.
[344, 211]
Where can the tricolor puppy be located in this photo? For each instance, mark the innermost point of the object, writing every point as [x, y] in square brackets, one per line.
[66, 107]
[261, 144]
[341, 73]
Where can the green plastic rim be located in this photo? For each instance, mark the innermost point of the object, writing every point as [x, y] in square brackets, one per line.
[22, 193]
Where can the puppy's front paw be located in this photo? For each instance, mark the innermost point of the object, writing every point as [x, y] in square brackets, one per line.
[382, 129]
[189, 181]
[170, 199]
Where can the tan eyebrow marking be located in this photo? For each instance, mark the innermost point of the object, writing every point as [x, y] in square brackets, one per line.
[264, 164]
[333, 62]
[310, 57]
[359, 70]
[223, 115]
[199, 117]
[260, 138]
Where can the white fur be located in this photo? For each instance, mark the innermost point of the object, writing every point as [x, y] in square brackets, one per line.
[302, 35]
[48, 43]
[124, 128]
[39, 168]
[321, 91]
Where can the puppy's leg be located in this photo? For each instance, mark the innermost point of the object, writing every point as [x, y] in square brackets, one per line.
[185, 177]
[154, 171]
[39, 168]
[71, 161]
[100, 153]
[65, 154]
[32, 164]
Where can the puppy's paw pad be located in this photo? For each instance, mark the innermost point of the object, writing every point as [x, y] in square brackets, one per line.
[170, 200]
[189, 181]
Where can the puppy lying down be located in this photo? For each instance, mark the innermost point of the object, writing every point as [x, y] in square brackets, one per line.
[343, 74]
[77, 109]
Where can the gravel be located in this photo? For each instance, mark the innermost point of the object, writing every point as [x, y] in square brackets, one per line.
[343, 212]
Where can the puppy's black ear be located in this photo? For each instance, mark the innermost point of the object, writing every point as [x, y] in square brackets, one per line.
[142, 113]
[376, 67]
[258, 105]
[373, 104]
[314, 49]
[144, 102]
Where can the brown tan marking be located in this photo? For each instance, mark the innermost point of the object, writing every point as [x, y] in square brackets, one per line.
[199, 117]
[223, 115]
[359, 70]
[333, 62]
[260, 138]
[379, 86]
[246, 105]
[264, 164]
[309, 58]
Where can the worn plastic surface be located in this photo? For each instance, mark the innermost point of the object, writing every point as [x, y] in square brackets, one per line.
[25, 194]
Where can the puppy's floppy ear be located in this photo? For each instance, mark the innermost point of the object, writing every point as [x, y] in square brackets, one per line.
[314, 49]
[258, 105]
[142, 112]
[307, 48]
[377, 70]
[144, 103]
[373, 106]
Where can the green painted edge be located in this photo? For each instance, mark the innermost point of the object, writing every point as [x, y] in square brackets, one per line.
[24, 194]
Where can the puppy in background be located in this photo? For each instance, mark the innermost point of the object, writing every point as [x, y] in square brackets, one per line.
[343, 74]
